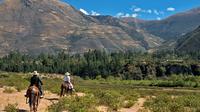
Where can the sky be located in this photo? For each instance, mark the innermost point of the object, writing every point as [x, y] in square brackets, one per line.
[143, 9]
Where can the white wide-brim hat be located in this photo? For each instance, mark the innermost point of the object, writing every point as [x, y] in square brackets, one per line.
[67, 73]
[35, 73]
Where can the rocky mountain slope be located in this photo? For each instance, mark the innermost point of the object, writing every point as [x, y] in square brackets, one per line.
[49, 26]
[172, 27]
[189, 42]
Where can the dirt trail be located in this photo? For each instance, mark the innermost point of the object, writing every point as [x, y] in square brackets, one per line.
[136, 107]
[18, 97]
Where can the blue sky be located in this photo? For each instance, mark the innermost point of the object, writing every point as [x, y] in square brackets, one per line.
[144, 9]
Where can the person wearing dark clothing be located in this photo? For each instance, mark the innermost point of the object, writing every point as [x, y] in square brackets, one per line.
[35, 80]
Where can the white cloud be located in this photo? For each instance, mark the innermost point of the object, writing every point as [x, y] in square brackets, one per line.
[93, 13]
[171, 9]
[158, 18]
[123, 15]
[84, 11]
[120, 14]
[149, 11]
[134, 15]
[156, 12]
[127, 15]
[137, 9]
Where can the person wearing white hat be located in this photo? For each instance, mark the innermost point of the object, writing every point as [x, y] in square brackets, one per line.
[67, 77]
[67, 80]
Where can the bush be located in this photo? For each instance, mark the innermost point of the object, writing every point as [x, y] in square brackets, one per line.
[128, 104]
[9, 90]
[11, 108]
[110, 98]
[166, 103]
[75, 104]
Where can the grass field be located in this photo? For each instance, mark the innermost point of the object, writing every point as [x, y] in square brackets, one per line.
[115, 94]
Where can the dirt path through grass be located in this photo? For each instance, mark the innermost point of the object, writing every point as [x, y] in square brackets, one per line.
[136, 107]
[18, 97]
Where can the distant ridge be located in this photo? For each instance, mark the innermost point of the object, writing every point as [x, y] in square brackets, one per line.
[172, 27]
[190, 42]
[49, 26]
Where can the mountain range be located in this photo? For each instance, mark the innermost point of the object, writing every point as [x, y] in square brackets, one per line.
[171, 28]
[189, 42]
[50, 26]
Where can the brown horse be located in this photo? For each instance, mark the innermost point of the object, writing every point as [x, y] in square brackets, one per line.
[33, 95]
[65, 89]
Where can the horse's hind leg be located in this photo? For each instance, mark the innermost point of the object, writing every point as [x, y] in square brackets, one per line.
[35, 104]
[61, 92]
[70, 91]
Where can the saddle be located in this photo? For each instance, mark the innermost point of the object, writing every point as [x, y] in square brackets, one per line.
[67, 85]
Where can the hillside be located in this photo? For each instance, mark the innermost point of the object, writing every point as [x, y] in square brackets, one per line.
[36, 26]
[172, 27]
[190, 42]
[147, 40]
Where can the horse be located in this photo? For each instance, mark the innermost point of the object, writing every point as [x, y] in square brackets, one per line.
[33, 95]
[65, 89]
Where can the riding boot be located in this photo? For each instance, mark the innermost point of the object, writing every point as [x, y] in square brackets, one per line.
[40, 91]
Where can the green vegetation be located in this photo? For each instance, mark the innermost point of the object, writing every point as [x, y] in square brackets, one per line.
[14, 80]
[20, 81]
[166, 103]
[75, 104]
[11, 108]
[115, 93]
[99, 64]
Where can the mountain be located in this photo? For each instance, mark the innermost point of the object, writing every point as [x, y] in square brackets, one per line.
[147, 40]
[38, 26]
[172, 27]
[189, 42]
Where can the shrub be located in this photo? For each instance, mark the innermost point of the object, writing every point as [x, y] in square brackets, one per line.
[9, 90]
[165, 103]
[111, 98]
[11, 108]
[75, 104]
[128, 104]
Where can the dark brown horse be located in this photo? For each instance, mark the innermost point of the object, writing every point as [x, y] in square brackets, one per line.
[33, 95]
[65, 89]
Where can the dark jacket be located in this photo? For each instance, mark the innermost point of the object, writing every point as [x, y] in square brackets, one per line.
[36, 80]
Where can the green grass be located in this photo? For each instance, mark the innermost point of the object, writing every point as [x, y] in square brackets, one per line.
[75, 104]
[116, 94]
[14, 80]
[11, 108]
[167, 103]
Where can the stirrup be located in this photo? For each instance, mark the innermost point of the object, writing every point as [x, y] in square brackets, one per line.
[26, 95]
[41, 96]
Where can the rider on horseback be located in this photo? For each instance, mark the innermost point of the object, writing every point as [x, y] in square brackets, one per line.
[67, 80]
[35, 80]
